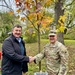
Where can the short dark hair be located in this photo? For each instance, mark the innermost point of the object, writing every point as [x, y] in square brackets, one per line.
[18, 26]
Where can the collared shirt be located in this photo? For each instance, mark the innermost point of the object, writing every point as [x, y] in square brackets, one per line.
[21, 45]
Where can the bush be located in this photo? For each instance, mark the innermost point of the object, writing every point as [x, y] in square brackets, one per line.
[70, 34]
[45, 35]
[3, 36]
[31, 38]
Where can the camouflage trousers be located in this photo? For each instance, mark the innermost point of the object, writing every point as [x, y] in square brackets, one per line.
[52, 73]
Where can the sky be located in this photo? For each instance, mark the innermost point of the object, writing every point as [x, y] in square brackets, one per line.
[11, 4]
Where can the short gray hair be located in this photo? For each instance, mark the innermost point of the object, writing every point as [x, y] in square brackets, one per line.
[17, 25]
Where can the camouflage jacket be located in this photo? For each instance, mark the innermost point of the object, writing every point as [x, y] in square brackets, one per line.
[56, 58]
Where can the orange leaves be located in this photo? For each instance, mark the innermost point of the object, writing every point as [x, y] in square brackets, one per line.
[43, 24]
[19, 10]
[39, 15]
[32, 16]
[23, 19]
[17, 2]
[39, 19]
[27, 5]
[36, 12]
[49, 19]
[46, 21]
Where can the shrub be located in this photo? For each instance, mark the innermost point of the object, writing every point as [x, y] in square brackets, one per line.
[70, 34]
[31, 37]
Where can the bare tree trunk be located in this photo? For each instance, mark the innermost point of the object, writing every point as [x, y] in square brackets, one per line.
[58, 12]
[61, 37]
[38, 26]
[39, 46]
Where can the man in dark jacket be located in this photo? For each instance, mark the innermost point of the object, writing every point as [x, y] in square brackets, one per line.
[14, 59]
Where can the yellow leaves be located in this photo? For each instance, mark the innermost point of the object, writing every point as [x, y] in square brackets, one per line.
[11, 12]
[35, 16]
[19, 10]
[47, 28]
[32, 16]
[23, 19]
[61, 23]
[62, 18]
[40, 15]
[36, 13]
[33, 35]
[42, 30]
[30, 26]
[46, 21]
[49, 19]
[48, 2]
[61, 28]
[36, 23]
[38, 18]
[28, 0]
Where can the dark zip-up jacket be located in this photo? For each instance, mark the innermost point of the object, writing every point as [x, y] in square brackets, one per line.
[13, 63]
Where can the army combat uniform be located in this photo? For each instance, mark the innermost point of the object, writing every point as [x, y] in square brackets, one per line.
[56, 58]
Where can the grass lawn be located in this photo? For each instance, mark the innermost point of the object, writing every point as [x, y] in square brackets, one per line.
[32, 49]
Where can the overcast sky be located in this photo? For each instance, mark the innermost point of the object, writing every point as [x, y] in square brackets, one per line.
[11, 4]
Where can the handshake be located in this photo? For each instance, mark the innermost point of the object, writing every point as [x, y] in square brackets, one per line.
[31, 59]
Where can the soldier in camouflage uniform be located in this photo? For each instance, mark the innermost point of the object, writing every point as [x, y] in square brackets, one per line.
[56, 55]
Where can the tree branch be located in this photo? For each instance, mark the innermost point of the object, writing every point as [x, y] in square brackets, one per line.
[70, 3]
[30, 21]
[7, 7]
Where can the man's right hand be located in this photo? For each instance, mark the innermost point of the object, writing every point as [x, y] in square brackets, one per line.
[31, 59]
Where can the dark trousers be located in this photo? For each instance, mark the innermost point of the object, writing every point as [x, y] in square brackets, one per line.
[3, 74]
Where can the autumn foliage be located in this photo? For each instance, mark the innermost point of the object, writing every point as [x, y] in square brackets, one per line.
[34, 11]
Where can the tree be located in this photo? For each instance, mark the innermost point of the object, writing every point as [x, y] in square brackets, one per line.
[35, 12]
[6, 23]
[60, 16]
[59, 12]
